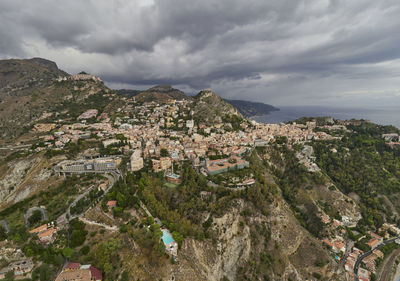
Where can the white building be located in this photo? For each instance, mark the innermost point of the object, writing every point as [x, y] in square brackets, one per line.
[190, 124]
[136, 160]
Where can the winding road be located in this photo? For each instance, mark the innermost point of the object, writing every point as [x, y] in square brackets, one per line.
[366, 254]
[112, 177]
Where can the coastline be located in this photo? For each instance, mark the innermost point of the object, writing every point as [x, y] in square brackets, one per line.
[382, 116]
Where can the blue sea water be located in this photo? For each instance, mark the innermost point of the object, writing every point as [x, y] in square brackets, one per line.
[382, 115]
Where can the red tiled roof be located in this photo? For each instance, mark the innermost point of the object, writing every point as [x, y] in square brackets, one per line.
[112, 203]
[73, 265]
[39, 229]
[96, 273]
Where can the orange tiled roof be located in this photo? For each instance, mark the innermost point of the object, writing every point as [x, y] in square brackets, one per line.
[48, 232]
[39, 229]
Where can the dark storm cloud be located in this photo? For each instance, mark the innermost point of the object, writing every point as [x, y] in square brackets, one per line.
[310, 51]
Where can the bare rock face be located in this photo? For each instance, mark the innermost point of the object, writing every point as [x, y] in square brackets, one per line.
[15, 175]
[23, 177]
[295, 251]
[214, 262]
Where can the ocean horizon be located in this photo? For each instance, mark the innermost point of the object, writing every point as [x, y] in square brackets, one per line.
[381, 115]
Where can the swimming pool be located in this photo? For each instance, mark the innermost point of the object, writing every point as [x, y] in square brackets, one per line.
[167, 238]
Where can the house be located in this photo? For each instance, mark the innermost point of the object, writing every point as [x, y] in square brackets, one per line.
[218, 166]
[48, 235]
[112, 204]
[376, 236]
[161, 165]
[18, 267]
[373, 243]
[325, 218]
[46, 232]
[336, 223]
[171, 247]
[91, 113]
[337, 245]
[189, 124]
[75, 271]
[38, 229]
[174, 178]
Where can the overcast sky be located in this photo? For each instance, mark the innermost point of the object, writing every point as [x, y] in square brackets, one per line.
[311, 52]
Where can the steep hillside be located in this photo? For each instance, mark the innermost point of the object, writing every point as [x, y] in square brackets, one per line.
[21, 77]
[211, 109]
[128, 92]
[31, 93]
[161, 94]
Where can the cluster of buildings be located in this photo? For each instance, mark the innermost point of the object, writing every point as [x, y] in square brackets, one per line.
[79, 77]
[19, 268]
[345, 251]
[46, 233]
[369, 262]
[348, 254]
[167, 133]
[75, 271]
[96, 165]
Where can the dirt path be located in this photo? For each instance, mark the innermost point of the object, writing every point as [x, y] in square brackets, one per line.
[388, 266]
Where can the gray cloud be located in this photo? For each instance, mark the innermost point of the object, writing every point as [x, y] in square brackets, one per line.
[276, 51]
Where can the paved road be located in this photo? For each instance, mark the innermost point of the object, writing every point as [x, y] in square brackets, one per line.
[366, 254]
[111, 228]
[5, 226]
[349, 247]
[112, 178]
[31, 210]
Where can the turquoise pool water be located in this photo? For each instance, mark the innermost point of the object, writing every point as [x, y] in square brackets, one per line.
[166, 238]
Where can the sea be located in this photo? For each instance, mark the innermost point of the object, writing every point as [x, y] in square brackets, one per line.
[381, 115]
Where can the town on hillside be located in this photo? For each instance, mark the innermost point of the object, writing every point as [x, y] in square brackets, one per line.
[160, 137]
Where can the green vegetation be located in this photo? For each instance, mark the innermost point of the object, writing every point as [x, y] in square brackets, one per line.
[35, 218]
[292, 178]
[365, 165]
[77, 233]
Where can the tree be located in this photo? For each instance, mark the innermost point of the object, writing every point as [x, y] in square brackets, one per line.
[124, 276]
[9, 276]
[164, 152]
[35, 217]
[77, 233]
[3, 234]
[67, 252]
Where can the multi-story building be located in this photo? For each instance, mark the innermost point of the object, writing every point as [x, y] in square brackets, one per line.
[136, 160]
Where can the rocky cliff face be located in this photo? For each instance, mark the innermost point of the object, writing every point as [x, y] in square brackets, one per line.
[21, 178]
[291, 252]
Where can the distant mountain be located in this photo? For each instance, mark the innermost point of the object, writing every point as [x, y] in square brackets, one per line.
[30, 91]
[250, 109]
[19, 77]
[159, 93]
